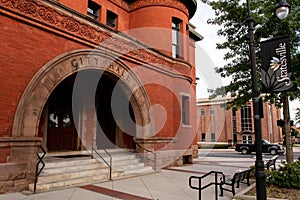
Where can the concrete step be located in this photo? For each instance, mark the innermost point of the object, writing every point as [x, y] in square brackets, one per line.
[59, 164]
[117, 157]
[145, 169]
[133, 172]
[67, 182]
[67, 171]
[128, 167]
[72, 175]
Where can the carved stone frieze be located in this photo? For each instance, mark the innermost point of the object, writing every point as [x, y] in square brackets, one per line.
[55, 18]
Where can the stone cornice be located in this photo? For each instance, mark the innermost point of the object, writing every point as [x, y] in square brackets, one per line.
[187, 6]
[72, 24]
[170, 3]
[191, 5]
[19, 141]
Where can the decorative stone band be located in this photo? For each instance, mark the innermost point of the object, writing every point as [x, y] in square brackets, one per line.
[20, 149]
[186, 6]
[169, 3]
[19, 141]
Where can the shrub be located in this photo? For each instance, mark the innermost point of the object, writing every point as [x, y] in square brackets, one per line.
[287, 176]
[213, 146]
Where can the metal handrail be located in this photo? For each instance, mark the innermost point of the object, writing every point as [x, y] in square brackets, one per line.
[200, 188]
[147, 150]
[37, 169]
[110, 157]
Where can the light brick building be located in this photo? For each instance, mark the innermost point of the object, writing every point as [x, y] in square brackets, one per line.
[218, 125]
[52, 55]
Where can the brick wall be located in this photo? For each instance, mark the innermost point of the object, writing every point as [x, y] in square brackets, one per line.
[29, 42]
[221, 122]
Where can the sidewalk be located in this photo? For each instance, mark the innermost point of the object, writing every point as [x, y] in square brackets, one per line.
[167, 184]
[172, 183]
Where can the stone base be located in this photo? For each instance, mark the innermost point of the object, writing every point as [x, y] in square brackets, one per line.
[18, 169]
[166, 157]
[172, 158]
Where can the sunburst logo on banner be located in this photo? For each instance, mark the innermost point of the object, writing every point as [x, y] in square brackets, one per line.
[275, 63]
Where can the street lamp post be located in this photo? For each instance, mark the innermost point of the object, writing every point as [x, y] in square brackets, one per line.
[260, 174]
[282, 10]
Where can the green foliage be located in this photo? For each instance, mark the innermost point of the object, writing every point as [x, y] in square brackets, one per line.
[287, 176]
[231, 15]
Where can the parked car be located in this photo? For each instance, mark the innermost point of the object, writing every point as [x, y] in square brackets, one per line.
[267, 147]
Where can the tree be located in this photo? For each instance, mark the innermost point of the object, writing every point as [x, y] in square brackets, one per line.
[231, 17]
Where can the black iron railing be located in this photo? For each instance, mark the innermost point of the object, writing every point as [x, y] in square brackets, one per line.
[200, 187]
[146, 157]
[38, 170]
[94, 149]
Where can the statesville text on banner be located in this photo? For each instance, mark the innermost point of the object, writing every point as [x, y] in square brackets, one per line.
[276, 72]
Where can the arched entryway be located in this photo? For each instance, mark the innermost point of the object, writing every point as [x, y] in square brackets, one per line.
[113, 124]
[114, 114]
[54, 81]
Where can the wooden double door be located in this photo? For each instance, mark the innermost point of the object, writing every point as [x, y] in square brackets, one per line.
[61, 131]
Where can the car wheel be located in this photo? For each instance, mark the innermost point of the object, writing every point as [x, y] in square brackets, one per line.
[273, 152]
[244, 151]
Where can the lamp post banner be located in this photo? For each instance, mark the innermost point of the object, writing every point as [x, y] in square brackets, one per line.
[276, 72]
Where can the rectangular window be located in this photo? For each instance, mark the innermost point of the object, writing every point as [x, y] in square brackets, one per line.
[93, 10]
[111, 19]
[234, 129]
[246, 119]
[202, 111]
[213, 137]
[176, 37]
[212, 111]
[203, 139]
[185, 110]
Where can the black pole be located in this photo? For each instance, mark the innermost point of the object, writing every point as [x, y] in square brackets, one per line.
[259, 164]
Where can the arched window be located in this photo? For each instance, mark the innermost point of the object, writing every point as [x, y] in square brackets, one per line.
[244, 139]
[250, 139]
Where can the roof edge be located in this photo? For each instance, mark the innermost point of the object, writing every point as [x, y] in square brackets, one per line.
[191, 5]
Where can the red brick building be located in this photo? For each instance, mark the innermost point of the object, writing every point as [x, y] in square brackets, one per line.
[118, 71]
[218, 125]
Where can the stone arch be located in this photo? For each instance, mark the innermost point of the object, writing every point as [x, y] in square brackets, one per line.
[37, 92]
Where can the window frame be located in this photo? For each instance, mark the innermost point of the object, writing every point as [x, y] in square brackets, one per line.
[246, 118]
[202, 111]
[203, 137]
[234, 124]
[213, 137]
[211, 111]
[111, 19]
[185, 109]
[95, 8]
[176, 42]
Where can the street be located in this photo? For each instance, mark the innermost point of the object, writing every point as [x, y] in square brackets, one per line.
[233, 154]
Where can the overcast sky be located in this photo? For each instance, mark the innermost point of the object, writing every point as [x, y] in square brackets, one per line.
[208, 57]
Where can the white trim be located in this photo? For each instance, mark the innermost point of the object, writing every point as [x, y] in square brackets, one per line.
[185, 94]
